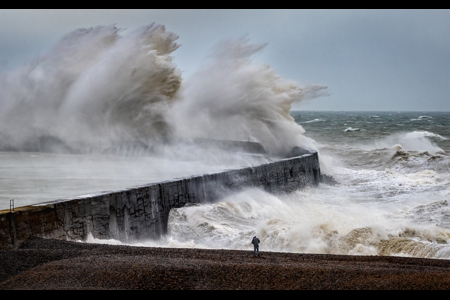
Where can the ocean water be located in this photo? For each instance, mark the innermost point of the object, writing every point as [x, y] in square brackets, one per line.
[107, 109]
[392, 197]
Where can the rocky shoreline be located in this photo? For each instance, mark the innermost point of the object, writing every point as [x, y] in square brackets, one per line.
[54, 265]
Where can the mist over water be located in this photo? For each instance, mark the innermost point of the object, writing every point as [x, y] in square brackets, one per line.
[100, 88]
[234, 98]
[95, 89]
[106, 109]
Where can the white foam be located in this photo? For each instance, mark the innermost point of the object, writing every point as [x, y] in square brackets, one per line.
[104, 89]
[312, 121]
[349, 129]
[408, 141]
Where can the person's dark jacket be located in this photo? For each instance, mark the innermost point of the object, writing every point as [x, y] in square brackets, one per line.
[255, 241]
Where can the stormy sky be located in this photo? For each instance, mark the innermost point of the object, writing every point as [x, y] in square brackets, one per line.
[377, 60]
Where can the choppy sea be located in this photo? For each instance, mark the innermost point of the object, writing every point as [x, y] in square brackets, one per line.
[392, 196]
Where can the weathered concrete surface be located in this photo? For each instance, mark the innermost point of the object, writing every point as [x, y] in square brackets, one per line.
[142, 212]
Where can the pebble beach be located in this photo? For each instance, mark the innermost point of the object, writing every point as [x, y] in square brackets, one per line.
[44, 264]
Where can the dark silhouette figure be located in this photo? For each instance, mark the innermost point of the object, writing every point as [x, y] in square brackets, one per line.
[255, 243]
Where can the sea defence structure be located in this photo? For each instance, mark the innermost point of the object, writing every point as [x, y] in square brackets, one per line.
[142, 212]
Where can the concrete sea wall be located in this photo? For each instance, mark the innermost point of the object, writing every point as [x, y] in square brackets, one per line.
[142, 212]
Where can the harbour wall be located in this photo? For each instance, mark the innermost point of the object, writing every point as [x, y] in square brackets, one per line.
[142, 212]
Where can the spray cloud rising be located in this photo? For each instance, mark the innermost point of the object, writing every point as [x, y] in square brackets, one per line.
[98, 89]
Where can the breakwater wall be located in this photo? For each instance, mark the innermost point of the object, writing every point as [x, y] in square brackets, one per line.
[142, 212]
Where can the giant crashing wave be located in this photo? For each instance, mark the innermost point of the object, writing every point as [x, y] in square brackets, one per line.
[98, 90]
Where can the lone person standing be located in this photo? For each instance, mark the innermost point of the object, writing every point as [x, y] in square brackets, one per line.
[255, 243]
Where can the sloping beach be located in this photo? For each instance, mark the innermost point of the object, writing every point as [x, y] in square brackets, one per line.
[51, 264]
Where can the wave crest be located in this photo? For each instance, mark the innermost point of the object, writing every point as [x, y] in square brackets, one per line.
[93, 89]
[100, 88]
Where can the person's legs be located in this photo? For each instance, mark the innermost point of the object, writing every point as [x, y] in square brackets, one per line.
[256, 250]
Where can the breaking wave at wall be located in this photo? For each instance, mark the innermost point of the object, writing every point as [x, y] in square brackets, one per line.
[101, 88]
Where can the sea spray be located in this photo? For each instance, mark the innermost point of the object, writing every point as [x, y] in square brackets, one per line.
[233, 97]
[101, 88]
[94, 89]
